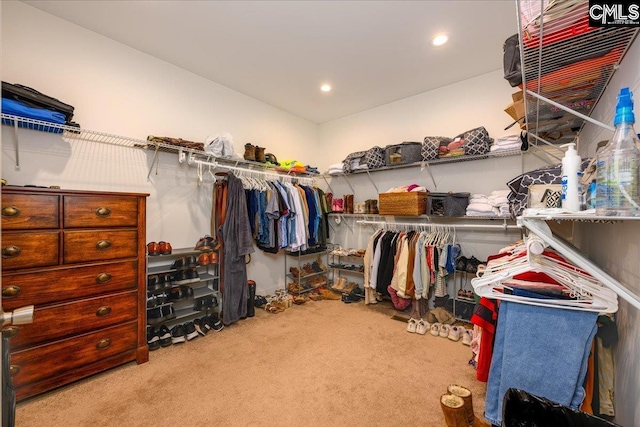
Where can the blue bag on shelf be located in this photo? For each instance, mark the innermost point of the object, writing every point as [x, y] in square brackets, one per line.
[16, 108]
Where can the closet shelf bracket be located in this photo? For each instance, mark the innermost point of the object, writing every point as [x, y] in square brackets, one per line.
[431, 175]
[155, 162]
[327, 182]
[17, 144]
[540, 229]
[569, 110]
[349, 184]
[372, 182]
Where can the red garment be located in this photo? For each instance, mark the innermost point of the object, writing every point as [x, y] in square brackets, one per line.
[486, 316]
[398, 303]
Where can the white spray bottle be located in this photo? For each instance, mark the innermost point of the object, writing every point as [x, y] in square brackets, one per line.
[571, 178]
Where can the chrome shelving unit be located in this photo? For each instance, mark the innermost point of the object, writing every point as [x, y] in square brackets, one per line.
[566, 66]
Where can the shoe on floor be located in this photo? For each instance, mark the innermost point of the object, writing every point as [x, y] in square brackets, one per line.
[153, 340]
[412, 325]
[165, 336]
[422, 327]
[454, 333]
[200, 327]
[215, 323]
[178, 334]
[467, 336]
[190, 330]
[444, 331]
[435, 329]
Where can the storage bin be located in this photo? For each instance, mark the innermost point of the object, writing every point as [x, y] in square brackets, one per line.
[401, 154]
[447, 204]
[409, 203]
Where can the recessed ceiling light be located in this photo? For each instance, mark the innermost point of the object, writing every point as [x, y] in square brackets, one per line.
[439, 40]
[325, 88]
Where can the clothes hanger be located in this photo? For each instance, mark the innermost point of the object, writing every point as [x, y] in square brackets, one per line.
[588, 293]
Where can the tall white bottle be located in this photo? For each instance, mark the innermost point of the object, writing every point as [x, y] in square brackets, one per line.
[571, 178]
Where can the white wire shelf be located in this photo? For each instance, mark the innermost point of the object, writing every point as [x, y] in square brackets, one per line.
[560, 216]
[184, 152]
[567, 65]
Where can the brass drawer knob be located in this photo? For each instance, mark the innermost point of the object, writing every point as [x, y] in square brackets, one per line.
[103, 245]
[103, 212]
[102, 344]
[10, 332]
[11, 291]
[10, 251]
[10, 211]
[103, 278]
[103, 311]
[14, 370]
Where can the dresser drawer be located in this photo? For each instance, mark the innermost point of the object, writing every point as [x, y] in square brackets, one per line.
[100, 211]
[64, 320]
[29, 249]
[62, 357]
[86, 246]
[21, 211]
[65, 283]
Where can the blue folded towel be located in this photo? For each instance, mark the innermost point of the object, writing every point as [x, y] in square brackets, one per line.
[541, 350]
[16, 108]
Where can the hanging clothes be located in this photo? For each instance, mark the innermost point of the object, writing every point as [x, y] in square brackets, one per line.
[237, 242]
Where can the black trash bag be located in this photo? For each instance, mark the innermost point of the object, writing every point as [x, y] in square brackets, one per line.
[522, 409]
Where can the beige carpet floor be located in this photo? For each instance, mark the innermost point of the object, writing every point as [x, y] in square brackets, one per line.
[322, 363]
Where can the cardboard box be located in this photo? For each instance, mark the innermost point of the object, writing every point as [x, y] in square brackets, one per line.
[516, 108]
[409, 203]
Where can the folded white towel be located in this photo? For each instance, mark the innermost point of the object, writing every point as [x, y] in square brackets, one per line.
[500, 192]
[484, 209]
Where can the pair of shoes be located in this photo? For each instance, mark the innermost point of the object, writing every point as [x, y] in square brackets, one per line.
[435, 329]
[158, 282]
[160, 314]
[199, 324]
[350, 297]
[207, 258]
[207, 243]
[337, 205]
[472, 265]
[457, 407]
[160, 248]
[184, 332]
[184, 263]
[182, 292]
[183, 277]
[213, 322]
[154, 300]
[259, 301]
[462, 293]
[253, 153]
[454, 333]
[205, 302]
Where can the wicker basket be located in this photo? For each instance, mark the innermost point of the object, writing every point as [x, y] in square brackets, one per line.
[409, 203]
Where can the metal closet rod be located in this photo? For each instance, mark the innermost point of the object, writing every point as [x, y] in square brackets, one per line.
[262, 174]
[416, 225]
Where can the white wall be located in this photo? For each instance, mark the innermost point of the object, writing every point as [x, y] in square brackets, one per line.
[119, 90]
[614, 247]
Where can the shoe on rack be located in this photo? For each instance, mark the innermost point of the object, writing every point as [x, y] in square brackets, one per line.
[472, 265]
[178, 334]
[152, 282]
[454, 333]
[412, 325]
[316, 267]
[467, 336]
[175, 294]
[422, 327]
[190, 331]
[161, 298]
[168, 312]
[151, 300]
[213, 257]
[207, 243]
[165, 248]
[166, 279]
[294, 272]
[199, 305]
[192, 275]
[444, 330]
[155, 315]
[179, 264]
[461, 264]
[153, 248]
[180, 278]
[259, 154]
[203, 259]
[435, 329]
[165, 336]
[153, 340]
[250, 152]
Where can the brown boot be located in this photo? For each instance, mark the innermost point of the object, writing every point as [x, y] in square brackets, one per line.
[453, 410]
[250, 152]
[374, 207]
[260, 157]
[466, 396]
[348, 203]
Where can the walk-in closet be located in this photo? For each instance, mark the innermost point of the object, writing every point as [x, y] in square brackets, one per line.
[380, 213]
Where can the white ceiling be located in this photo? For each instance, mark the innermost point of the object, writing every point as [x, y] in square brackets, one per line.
[280, 52]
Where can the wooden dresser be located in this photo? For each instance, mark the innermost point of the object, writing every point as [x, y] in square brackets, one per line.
[79, 257]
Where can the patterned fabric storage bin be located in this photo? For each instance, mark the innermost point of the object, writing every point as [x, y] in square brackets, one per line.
[401, 154]
[447, 204]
